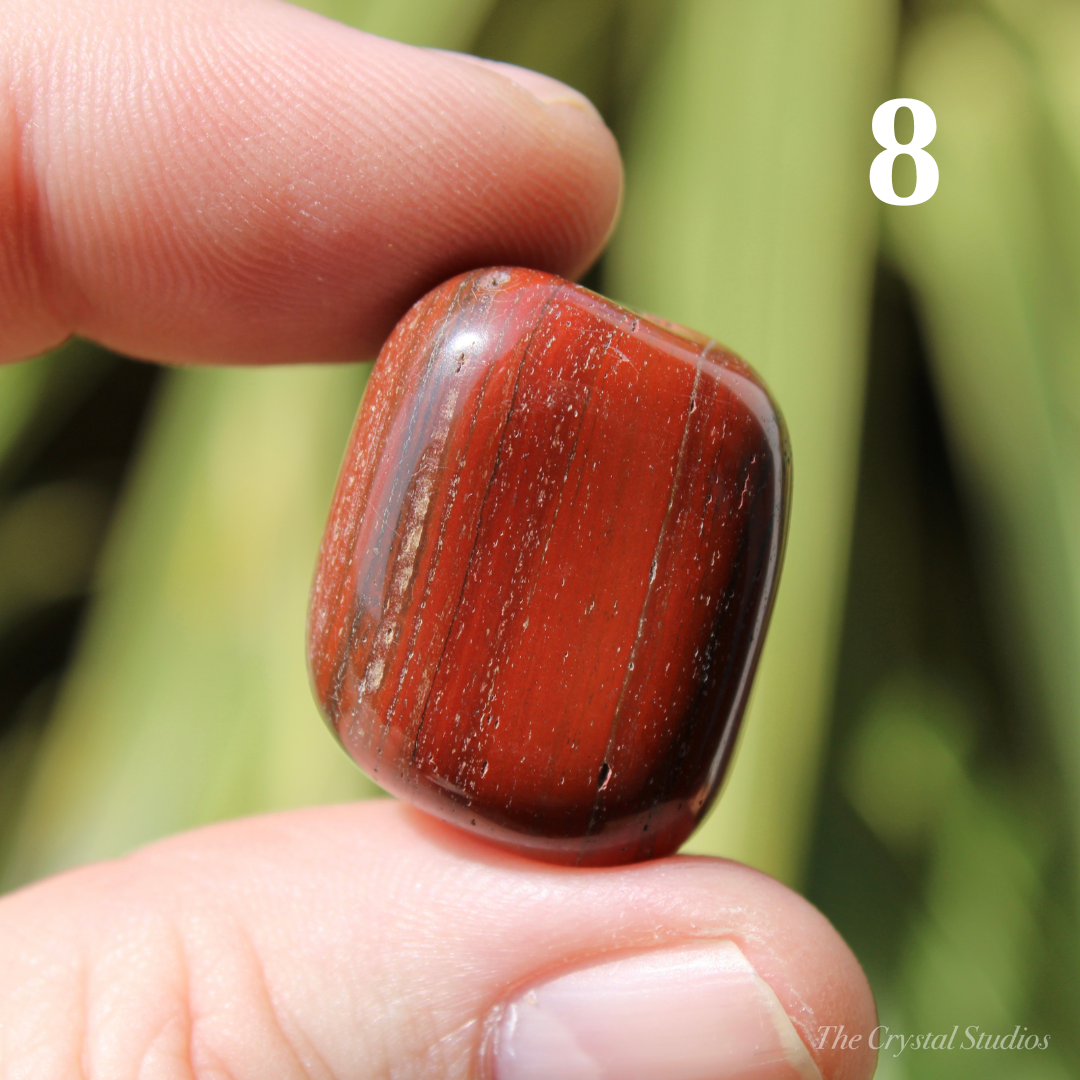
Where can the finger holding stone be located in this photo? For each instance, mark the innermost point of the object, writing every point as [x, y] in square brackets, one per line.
[248, 182]
[370, 940]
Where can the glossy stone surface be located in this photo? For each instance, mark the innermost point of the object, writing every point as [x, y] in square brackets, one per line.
[549, 567]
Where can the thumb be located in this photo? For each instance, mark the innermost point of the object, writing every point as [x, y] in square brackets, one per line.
[366, 940]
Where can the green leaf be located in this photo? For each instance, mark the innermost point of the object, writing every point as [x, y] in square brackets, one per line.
[749, 216]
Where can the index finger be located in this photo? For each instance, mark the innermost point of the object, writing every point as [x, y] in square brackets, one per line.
[247, 182]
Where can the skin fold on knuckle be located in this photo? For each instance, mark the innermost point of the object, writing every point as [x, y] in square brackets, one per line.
[102, 976]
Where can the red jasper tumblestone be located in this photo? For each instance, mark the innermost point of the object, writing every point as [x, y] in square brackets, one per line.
[549, 566]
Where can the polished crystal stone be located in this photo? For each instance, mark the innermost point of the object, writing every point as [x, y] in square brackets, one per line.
[549, 567]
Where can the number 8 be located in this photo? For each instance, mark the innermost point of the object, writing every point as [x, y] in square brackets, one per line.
[926, 170]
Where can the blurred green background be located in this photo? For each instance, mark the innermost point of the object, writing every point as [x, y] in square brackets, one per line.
[911, 760]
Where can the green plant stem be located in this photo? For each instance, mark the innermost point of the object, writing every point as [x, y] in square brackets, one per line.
[189, 700]
[983, 255]
[748, 215]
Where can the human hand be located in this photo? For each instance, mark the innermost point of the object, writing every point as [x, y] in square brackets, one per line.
[246, 182]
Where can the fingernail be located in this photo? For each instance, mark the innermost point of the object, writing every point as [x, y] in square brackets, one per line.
[548, 90]
[698, 1012]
